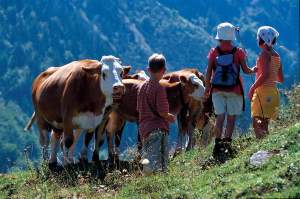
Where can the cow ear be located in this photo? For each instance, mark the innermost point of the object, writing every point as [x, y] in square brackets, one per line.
[183, 79]
[92, 68]
[126, 69]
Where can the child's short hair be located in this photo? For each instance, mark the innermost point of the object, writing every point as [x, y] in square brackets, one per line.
[156, 62]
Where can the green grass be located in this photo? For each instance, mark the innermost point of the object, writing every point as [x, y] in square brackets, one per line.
[188, 177]
[191, 174]
[279, 177]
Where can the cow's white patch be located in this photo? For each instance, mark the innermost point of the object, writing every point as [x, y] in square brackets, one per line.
[199, 92]
[111, 72]
[87, 120]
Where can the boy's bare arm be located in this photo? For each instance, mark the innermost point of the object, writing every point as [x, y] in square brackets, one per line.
[168, 116]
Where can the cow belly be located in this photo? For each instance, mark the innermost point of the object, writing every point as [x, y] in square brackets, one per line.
[87, 120]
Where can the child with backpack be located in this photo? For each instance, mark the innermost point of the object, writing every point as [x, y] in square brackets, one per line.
[263, 93]
[154, 117]
[224, 84]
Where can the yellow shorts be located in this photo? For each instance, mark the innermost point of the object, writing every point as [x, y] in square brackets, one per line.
[265, 102]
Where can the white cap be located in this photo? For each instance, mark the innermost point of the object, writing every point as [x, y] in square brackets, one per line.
[267, 33]
[225, 31]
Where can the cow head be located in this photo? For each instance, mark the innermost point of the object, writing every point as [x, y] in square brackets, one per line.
[193, 85]
[111, 77]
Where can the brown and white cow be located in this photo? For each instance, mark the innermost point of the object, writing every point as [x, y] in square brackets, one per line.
[182, 87]
[74, 96]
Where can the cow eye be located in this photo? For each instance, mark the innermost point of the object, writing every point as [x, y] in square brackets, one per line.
[103, 76]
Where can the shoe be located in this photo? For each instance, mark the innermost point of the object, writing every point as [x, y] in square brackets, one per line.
[229, 151]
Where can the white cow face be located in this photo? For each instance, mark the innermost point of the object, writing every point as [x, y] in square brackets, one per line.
[193, 86]
[198, 93]
[111, 78]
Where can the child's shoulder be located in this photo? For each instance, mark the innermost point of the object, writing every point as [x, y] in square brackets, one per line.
[213, 50]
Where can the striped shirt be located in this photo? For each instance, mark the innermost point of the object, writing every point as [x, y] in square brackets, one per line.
[273, 69]
[152, 100]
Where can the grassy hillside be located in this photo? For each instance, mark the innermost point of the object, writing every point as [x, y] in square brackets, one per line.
[191, 175]
[35, 35]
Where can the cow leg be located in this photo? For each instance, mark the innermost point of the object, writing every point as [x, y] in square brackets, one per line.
[139, 146]
[71, 157]
[180, 144]
[119, 135]
[68, 140]
[117, 140]
[99, 139]
[191, 142]
[87, 137]
[43, 137]
[112, 153]
[180, 138]
[44, 142]
[114, 130]
[54, 142]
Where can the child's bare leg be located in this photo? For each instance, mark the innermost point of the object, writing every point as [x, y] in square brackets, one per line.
[219, 125]
[230, 126]
[266, 126]
[258, 126]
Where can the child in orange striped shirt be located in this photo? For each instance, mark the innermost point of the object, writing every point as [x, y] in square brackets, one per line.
[263, 93]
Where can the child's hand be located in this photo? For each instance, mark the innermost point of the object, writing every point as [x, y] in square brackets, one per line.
[171, 118]
[254, 69]
[251, 92]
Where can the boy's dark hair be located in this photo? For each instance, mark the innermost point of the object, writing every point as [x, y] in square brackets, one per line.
[261, 41]
[156, 62]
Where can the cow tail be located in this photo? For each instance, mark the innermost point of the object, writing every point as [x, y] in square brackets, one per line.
[30, 122]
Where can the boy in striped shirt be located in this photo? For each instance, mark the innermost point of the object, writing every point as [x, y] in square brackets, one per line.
[154, 117]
